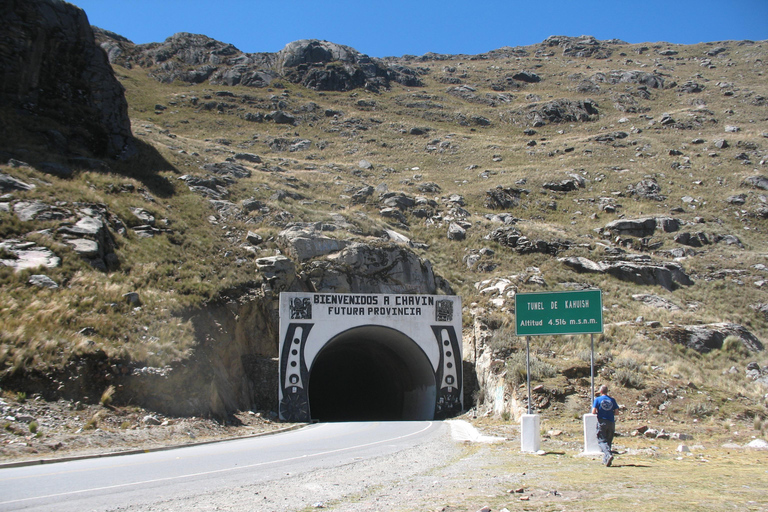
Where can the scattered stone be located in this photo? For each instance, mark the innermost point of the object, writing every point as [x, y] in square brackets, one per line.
[9, 183]
[27, 255]
[253, 238]
[759, 181]
[697, 239]
[648, 189]
[656, 302]
[502, 198]
[43, 281]
[248, 157]
[456, 232]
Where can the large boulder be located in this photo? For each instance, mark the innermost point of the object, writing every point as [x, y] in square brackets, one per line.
[641, 228]
[708, 337]
[305, 242]
[52, 68]
[668, 275]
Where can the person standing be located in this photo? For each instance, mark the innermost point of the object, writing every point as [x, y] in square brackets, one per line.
[604, 407]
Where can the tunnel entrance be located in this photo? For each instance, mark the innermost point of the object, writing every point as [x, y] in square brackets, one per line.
[354, 356]
[371, 373]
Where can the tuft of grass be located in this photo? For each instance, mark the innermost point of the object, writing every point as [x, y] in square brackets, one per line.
[107, 396]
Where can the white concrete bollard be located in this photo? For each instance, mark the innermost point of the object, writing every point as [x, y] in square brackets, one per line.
[590, 434]
[530, 433]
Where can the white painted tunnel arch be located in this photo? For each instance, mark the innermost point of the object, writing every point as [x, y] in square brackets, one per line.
[417, 338]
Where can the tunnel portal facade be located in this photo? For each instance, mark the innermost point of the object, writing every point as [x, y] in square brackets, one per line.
[357, 357]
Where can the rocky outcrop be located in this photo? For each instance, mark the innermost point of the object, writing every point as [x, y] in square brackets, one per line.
[582, 47]
[650, 80]
[708, 337]
[326, 66]
[51, 67]
[502, 198]
[560, 111]
[305, 242]
[366, 268]
[641, 228]
[642, 271]
[511, 237]
[315, 64]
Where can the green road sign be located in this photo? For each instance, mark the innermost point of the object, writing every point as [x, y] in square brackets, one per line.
[548, 313]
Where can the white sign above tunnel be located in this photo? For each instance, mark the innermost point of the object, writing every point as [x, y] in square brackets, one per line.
[348, 356]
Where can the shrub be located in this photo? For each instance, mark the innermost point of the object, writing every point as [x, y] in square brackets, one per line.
[628, 378]
[516, 371]
[699, 409]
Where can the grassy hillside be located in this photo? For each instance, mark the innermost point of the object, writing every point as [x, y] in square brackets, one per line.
[470, 128]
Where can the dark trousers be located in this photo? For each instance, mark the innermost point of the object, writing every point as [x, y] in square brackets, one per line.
[605, 431]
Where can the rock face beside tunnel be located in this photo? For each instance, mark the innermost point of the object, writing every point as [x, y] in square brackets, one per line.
[51, 67]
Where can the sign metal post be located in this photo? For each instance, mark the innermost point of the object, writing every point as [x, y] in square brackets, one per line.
[551, 314]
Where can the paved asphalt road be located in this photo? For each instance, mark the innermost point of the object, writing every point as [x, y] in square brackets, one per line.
[111, 482]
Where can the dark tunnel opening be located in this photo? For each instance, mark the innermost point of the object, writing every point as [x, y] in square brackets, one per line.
[371, 373]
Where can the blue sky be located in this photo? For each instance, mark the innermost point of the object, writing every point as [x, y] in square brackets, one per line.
[399, 27]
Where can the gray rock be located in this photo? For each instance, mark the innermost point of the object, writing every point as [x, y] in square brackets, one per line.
[582, 265]
[229, 169]
[398, 200]
[9, 183]
[758, 181]
[306, 242]
[697, 239]
[144, 216]
[253, 205]
[728, 240]
[132, 298]
[667, 275]
[643, 227]
[502, 198]
[656, 302]
[393, 213]
[648, 189]
[85, 247]
[705, 338]
[361, 195]
[527, 76]
[28, 255]
[456, 232]
[737, 199]
[248, 157]
[561, 186]
[361, 268]
[253, 238]
[43, 281]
